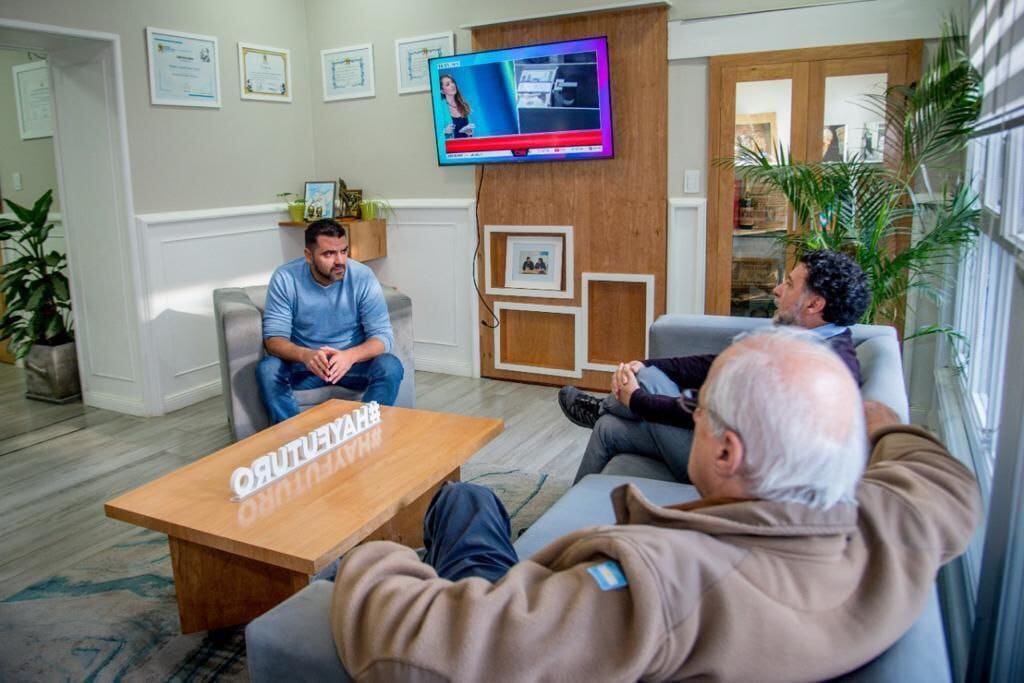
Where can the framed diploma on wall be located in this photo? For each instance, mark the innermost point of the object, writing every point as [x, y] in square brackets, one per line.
[412, 55]
[265, 73]
[32, 95]
[183, 68]
[347, 72]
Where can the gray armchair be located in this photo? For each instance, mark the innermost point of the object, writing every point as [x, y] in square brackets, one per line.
[238, 312]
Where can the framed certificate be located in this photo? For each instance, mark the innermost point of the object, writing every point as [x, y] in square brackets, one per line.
[265, 73]
[32, 96]
[411, 55]
[347, 72]
[183, 68]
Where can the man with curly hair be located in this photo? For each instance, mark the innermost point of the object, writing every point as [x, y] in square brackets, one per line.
[826, 293]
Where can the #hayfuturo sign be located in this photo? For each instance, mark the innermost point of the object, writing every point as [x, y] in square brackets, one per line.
[268, 468]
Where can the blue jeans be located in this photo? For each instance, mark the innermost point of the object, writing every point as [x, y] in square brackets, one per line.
[618, 430]
[378, 379]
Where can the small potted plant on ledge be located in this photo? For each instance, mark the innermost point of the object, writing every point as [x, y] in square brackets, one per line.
[37, 322]
[296, 205]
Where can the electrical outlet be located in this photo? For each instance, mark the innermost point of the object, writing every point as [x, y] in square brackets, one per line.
[691, 180]
[17, 182]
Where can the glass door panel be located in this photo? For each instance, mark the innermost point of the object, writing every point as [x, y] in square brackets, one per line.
[854, 120]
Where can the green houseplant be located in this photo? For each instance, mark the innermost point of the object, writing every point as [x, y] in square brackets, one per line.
[867, 209]
[296, 205]
[371, 209]
[37, 321]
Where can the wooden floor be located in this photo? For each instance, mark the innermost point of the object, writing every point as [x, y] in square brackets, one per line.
[58, 464]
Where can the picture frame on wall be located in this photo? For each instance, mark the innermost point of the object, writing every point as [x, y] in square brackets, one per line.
[265, 73]
[183, 68]
[833, 143]
[320, 196]
[533, 262]
[757, 131]
[32, 99]
[412, 56]
[347, 72]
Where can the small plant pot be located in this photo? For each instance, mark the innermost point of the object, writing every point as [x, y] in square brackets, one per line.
[297, 212]
[52, 373]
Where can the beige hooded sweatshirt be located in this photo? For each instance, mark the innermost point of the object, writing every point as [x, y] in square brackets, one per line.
[741, 591]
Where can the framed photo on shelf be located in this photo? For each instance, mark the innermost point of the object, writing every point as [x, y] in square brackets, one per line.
[32, 97]
[265, 73]
[350, 200]
[347, 72]
[198, 85]
[533, 262]
[320, 196]
[411, 55]
[756, 131]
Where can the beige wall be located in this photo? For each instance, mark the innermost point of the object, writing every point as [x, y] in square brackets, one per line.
[32, 158]
[185, 158]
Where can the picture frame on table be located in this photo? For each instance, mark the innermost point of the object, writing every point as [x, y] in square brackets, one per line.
[347, 72]
[265, 73]
[412, 56]
[320, 196]
[533, 262]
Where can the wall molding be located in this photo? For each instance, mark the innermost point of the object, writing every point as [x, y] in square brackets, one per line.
[644, 279]
[579, 341]
[569, 273]
[686, 266]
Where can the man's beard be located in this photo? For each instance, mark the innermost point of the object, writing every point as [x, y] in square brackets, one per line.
[784, 318]
[329, 274]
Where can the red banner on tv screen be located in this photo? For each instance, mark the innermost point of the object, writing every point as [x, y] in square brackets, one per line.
[573, 138]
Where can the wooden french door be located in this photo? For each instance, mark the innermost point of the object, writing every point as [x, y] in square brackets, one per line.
[815, 104]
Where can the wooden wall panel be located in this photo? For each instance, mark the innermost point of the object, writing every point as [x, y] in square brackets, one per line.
[617, 207]
[535, 338]
[616, 322]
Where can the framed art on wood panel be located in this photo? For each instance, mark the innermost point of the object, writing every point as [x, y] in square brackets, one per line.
[533, 262]
[347, 72]
[183, 68]
[265, 73]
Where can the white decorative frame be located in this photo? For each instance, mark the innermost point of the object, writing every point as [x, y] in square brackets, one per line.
[364, 52]
[285, 53]
[549, 281]
[647, 280]
[579, 341]
[43, 128]
[444, 43]
[569, 272]
[154, 98]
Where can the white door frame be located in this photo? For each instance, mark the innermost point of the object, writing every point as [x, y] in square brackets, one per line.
[138, 395]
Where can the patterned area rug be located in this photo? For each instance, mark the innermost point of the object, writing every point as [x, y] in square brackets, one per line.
[114, 617]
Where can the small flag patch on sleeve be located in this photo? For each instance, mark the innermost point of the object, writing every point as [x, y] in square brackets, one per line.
[608, 575]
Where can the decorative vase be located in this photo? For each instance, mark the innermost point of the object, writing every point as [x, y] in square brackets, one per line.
[297, 211]
[52, 373]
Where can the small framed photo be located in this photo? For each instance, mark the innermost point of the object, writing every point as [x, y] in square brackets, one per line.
[320, 196]
[756, 131]
[350, 200]
[412, 56]
[265, 73]
[533, 262]
[347, 72]
[833, 143]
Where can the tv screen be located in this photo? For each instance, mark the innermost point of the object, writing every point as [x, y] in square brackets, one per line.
[547, 102]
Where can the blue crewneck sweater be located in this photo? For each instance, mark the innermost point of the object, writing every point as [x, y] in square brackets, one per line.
[341, 315]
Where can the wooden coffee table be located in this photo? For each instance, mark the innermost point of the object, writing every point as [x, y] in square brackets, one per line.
[233, 561]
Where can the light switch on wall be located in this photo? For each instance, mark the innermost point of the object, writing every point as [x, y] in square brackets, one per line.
[17, 182]
[691, 180]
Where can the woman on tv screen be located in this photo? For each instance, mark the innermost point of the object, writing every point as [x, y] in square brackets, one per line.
[458, 108]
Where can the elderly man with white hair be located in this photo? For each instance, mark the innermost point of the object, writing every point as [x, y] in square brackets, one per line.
[796, 564]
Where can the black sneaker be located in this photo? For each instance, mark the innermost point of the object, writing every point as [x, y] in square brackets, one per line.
[581, 409]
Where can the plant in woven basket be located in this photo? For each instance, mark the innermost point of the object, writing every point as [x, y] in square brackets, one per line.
[867, 209]
[33, 283]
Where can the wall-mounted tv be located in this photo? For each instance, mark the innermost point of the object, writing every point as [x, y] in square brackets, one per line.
[549, 102]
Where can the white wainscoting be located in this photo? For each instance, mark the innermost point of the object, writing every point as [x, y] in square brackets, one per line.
[431, 243]
[687, 255]
[188, 254]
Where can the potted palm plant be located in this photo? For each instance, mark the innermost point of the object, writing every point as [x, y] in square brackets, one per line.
[867, 209]
[37, 322]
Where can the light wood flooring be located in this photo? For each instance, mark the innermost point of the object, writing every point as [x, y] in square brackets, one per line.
[58, 464]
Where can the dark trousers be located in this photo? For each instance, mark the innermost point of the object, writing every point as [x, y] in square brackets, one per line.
[466, 532]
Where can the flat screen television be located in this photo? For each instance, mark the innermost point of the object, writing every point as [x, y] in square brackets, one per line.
[549, 102]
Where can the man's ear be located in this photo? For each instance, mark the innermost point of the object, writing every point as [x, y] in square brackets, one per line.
[815, 305]
[729, 458]
[308, 254]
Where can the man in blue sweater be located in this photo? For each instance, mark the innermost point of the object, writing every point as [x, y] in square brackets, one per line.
[825, 293]
[326, 322]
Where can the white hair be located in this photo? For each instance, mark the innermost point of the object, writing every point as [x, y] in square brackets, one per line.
[798, 411]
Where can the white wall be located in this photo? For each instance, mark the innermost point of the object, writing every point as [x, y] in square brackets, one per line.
[32, 158]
